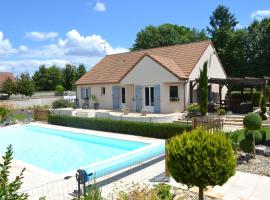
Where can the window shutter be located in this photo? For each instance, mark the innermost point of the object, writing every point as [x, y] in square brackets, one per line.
[157, 98]
[138, 95]
[89, 92]
[116, 97]
[82, 93]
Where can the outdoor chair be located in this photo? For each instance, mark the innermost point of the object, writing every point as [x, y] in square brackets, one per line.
[125, 111]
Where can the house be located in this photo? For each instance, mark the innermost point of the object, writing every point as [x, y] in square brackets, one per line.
[156, 80]
[6, 75]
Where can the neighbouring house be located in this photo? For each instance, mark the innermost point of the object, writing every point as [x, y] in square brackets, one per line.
[156, 80]
[5, 75]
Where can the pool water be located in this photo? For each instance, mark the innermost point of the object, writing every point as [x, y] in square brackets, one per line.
[60, 151]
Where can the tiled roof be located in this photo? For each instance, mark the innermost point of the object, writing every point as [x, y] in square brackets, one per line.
[178, 59]
[5, 75]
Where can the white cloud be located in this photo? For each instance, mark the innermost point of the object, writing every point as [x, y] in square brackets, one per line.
[93, 45]
[5, 46]
[41, 36]
[73, 48]
[260, 14]
[100, 7]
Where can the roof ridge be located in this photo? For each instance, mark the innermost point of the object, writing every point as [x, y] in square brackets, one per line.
[169, 46]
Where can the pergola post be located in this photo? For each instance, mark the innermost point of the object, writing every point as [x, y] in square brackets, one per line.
[229, 96]
[220, 94]
[190, 92]
[242, 92]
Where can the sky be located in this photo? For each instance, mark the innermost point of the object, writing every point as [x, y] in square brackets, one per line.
[56, 32]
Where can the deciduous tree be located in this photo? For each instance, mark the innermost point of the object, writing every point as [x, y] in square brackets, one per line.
[165, 35]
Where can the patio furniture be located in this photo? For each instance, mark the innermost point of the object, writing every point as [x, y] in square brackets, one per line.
[81, 114]
[143, 112]
[125, 111]
[85, 104]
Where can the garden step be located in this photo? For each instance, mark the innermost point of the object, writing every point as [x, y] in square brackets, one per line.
[233, 120]
[233, 123]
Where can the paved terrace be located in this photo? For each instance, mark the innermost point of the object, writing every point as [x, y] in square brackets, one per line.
[118, 115]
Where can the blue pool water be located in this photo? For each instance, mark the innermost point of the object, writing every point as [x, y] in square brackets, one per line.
[61, 151]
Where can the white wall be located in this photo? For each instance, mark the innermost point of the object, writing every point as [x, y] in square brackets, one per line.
[215, 70]
[25, 103]
[148, 72]
[105, 101]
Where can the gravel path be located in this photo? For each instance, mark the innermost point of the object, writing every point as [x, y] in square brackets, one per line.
[260, 165]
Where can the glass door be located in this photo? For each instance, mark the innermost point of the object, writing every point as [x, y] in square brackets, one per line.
[149, 98]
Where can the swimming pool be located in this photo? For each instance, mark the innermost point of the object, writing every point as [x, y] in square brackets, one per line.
[61, 151]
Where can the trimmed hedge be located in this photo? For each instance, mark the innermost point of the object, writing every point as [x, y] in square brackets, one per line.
[155, 130]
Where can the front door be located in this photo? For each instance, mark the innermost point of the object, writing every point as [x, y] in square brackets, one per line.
[149, 98]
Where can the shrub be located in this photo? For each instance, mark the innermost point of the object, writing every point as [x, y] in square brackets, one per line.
[193, 109]
[263, 109]
[138, 192]
[59, 90]
[246, 145]
[10, 190]
[252, 121]
[256, 99]
[203, 90]
[221, 112]
[155, 130]
[257, 136]
[265, 132]
[3, 114]
[200, 159]
[163, 191]
[62, 103]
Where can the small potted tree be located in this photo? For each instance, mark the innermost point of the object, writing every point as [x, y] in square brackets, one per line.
[95, 101]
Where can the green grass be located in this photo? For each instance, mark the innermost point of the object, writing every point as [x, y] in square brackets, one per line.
[19, 116]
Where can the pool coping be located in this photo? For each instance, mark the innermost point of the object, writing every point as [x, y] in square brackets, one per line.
[56, 176]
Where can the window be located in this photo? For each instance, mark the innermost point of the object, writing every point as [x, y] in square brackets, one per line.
[123, 95]
[174, 93]
[103, 91]
[146, 96]
[152, 96]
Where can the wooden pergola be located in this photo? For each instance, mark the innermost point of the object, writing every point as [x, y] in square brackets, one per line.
[230, 82]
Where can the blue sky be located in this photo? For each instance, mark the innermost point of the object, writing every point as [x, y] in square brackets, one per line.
[34, 32]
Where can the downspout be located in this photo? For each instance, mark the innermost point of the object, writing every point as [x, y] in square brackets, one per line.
[185, 84]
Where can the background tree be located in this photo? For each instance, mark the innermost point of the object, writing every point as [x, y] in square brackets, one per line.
[46, 79]
[24, 85]
[10, 190]
[165, 35]
[258, 48]
[69, 76]
[8, 87]
[203, 90]
[200, 159]
[80, 71]
[221, 30]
